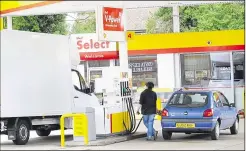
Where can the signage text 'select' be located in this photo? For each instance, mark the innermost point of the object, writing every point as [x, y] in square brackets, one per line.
[90, 48]
[91, 44]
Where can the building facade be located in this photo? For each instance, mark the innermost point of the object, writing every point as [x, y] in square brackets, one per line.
[194, 60]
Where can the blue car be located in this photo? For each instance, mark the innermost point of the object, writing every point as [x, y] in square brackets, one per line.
[199, 112]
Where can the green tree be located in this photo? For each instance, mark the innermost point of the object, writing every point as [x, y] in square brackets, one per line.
[161, 21]
[85, 23]
[53, 24]
[209, 17]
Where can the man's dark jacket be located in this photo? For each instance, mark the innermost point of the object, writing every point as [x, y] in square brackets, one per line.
[148, 101]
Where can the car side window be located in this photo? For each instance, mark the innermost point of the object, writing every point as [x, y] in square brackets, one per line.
[177, 99]
[217, 99]
[223, 100]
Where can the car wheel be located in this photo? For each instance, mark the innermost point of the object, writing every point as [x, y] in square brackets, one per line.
[43, 132]
[235, 127]
[166, 135]
[23, 133]
[216, 132]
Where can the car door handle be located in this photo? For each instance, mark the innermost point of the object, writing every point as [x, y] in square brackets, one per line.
[76, 97]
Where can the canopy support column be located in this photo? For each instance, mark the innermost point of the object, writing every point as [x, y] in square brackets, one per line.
[123, 49]
[9, 23]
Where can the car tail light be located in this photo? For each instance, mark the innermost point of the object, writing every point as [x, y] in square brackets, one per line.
[208, 113]
[241, 113]
[164, 112]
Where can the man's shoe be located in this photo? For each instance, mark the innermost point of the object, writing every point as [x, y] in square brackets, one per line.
[149, 139]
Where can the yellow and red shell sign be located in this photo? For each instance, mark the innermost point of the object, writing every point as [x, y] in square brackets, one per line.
[13, 6]
[188, 42]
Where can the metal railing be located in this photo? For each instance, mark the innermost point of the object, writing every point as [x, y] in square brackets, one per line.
[76, 126]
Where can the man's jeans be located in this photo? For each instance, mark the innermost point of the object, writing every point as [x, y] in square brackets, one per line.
[149, 123]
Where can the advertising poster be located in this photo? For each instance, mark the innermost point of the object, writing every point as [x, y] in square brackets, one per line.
[111, 23]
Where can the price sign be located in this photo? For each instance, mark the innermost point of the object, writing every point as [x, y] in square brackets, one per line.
[130, 35]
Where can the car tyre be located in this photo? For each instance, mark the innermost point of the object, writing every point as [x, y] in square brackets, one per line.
[216, 132]
[43, 132]
[166, 135]
[23, 133]
[235, 127]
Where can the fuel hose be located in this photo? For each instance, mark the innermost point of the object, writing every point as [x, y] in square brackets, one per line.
[129, 118]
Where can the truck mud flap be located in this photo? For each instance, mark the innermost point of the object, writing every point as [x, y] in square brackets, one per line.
[11, 135]
[11, 131]
[4, 133]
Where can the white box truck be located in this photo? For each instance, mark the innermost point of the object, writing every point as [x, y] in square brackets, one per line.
[39, 83]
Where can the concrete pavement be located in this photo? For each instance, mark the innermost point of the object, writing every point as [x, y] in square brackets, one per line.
[183, 142]
[178, 142]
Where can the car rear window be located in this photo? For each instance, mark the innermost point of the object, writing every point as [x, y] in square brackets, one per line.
[189, 99]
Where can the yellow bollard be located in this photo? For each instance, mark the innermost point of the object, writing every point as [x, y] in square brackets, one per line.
[62, 125]
[159, 107]
[85, 127]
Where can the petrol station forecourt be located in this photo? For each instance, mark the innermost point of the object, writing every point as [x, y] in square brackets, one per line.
[50, 66]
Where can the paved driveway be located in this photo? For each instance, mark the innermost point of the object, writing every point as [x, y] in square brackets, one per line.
[178, 142]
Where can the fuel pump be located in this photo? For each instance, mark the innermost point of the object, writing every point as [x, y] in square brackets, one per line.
[117, 100]
[129, 119]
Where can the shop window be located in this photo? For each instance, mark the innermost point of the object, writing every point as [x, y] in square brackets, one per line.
[239, 68]
[95, 74]
[91, 64]
[144, 69]
[199, 69]
[99, 63]
[194, 68]
[220, 63]
[238, 62]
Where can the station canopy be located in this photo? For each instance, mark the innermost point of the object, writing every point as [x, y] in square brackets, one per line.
[27, 8]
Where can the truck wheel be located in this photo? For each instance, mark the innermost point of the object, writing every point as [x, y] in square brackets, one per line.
[22, 132]
[216, 132]
[166, 135]
[235, 127]
[43, 132]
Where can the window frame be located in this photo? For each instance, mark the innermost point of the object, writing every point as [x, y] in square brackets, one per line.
[223, 97]
[82, 82]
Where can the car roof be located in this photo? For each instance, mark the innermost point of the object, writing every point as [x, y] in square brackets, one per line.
[200, 91]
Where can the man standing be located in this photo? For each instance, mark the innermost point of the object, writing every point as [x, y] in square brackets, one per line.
[147, 103]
